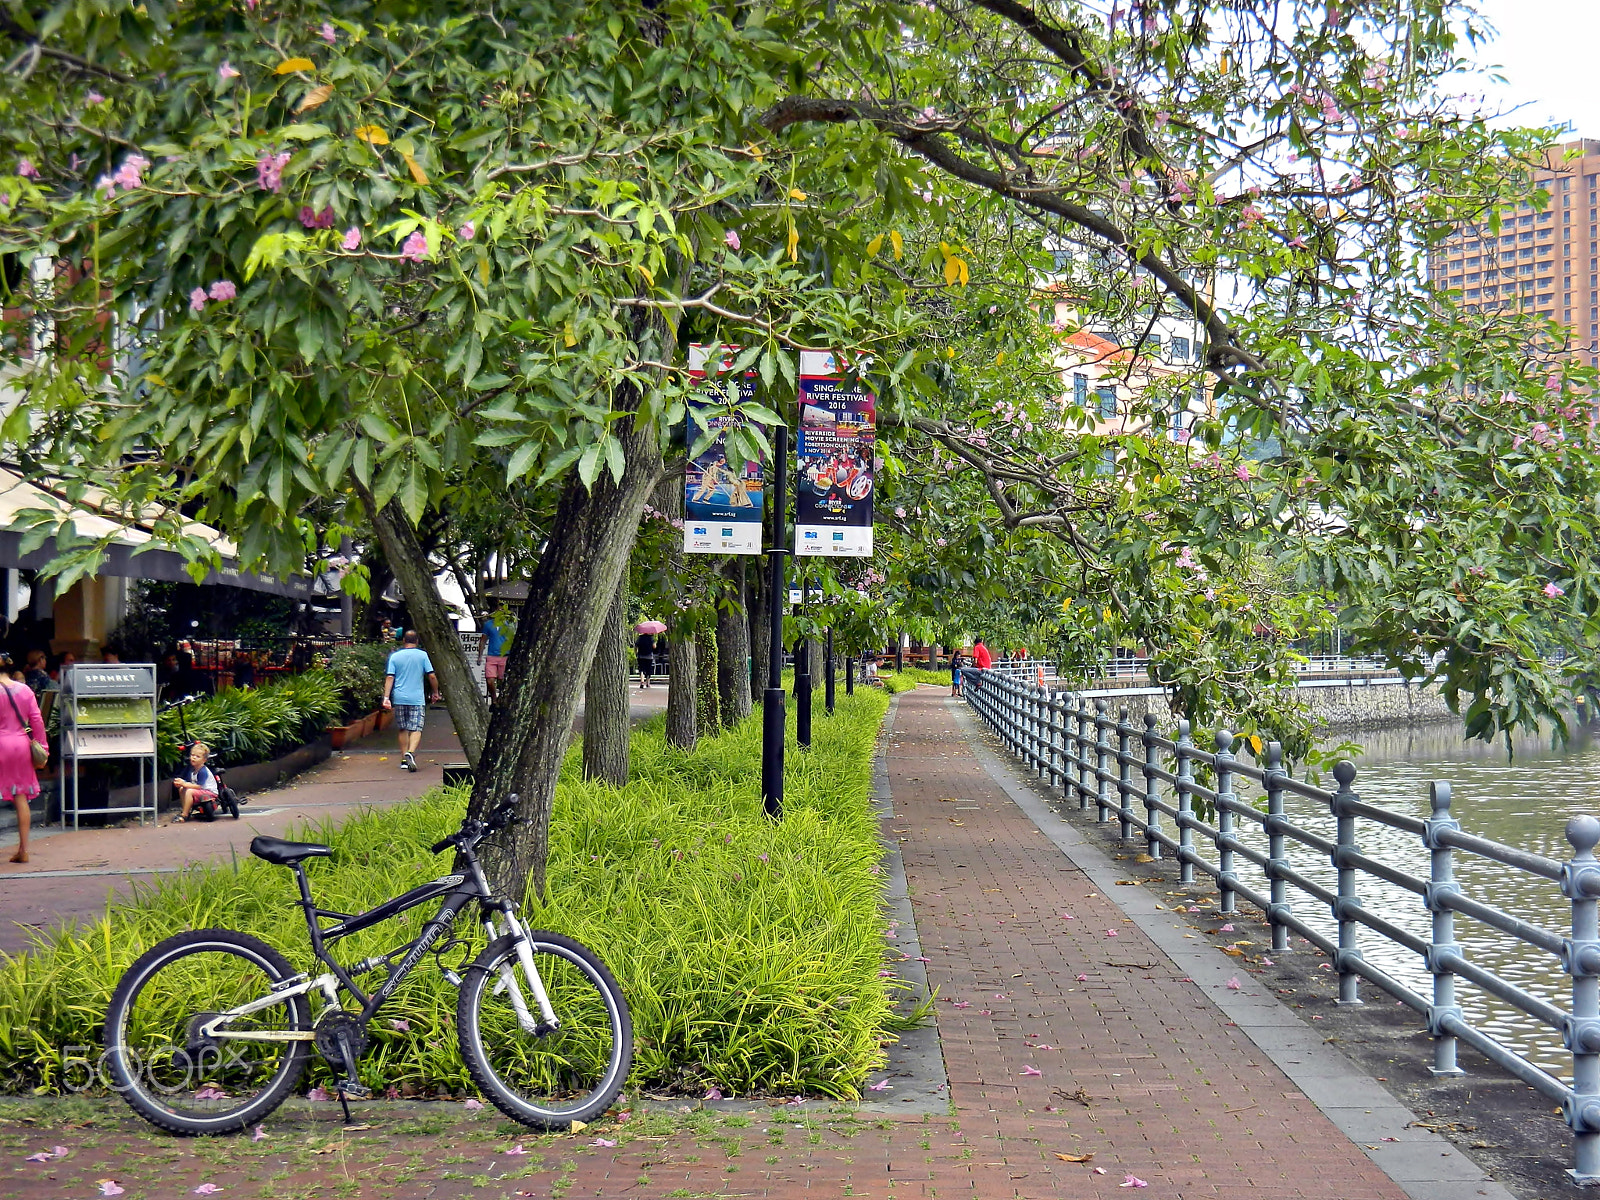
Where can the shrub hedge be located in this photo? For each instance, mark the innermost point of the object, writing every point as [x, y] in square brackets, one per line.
[749, 950]
[246, 725]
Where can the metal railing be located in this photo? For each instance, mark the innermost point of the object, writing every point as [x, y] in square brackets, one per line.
[1128, 773]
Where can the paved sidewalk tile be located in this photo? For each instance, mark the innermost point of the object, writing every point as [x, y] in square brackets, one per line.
[1065, 1029]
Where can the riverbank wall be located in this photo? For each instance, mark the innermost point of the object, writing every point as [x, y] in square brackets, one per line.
[1355, 700]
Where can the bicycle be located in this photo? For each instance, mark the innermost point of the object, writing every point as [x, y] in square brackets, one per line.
[209, 1031]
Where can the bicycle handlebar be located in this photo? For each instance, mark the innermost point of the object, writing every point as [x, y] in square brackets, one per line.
[473, 832]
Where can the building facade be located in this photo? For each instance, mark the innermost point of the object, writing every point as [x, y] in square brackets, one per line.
[1537, 261]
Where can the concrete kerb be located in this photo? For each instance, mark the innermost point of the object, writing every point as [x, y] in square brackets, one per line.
[1425, 1165]
[916, 1070]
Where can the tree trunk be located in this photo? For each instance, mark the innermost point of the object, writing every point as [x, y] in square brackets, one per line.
[569, 598]
[468, 709]
[379, 577]
[605, 699]
[707, 709]
[683, 731]
[683, 726]
[733, 651]
[759, 633]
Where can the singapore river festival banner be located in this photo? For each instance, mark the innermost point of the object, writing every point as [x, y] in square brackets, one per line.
[838, 430]
[721, 500]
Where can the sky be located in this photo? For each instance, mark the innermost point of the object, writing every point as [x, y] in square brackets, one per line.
[1546, 50]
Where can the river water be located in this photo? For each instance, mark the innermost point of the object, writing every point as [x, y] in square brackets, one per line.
[1524, 801]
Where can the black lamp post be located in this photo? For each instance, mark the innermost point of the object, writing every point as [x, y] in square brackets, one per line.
[827, 672]
[772, 703]
[802, 678]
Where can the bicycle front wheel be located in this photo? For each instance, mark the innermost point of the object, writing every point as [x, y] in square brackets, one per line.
[178, 1057]
[546, 1078]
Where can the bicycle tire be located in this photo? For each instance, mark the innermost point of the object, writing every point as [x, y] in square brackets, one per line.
[475, 989]
[129, 1076]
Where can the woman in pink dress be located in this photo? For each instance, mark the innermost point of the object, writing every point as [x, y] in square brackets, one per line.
[20, 726]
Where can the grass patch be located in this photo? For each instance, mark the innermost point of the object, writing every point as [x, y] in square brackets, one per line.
[749, 951]
[913, 677]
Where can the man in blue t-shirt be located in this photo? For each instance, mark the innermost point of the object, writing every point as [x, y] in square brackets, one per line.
[409, 667]
[496, 633]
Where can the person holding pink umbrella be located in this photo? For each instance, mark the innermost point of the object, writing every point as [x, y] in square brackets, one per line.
[644, 647]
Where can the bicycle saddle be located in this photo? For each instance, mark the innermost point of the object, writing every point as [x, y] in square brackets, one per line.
[276, 850]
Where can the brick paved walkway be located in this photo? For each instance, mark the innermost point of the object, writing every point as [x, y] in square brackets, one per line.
[1059, 1038]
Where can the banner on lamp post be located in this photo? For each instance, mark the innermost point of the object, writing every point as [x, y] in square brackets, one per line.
[838, 434]
[722, 500]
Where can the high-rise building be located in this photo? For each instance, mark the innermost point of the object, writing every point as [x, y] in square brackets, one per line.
[1537, 261]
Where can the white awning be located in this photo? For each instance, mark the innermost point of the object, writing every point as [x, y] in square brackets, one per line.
[130, 549]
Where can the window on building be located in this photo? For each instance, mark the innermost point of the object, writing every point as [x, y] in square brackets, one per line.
[1474, 291]
[1152, 344]
[1180, 349]
[1108, 402]
[1176, 423]
[1080, 390]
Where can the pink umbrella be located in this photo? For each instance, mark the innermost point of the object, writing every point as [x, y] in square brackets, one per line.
[649, 627]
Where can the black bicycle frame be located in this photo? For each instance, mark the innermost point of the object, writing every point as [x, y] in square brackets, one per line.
[458, 890]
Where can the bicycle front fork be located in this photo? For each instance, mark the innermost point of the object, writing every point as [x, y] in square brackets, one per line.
[508, 981]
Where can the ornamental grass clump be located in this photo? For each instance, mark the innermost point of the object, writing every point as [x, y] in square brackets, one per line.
[749, 950]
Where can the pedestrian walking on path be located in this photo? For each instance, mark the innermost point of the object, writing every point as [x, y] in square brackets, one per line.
[644, 649]
[409, 667]
[497, 631]
[956, 659]
[23, 749]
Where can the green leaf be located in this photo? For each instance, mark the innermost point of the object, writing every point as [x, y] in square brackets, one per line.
[589, 464]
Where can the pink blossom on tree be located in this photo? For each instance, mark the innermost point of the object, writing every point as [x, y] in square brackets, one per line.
[197, 300]
[27, 170]
[352, 239]
[732, 239]
[415, 248]
[269, 171]
[223, 289]
[130, 174]
[467, 231]
[227, 70]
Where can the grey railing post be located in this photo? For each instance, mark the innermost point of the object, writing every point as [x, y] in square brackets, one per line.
[1580, 883]
[1102, 751]
[1040, 740]
[1344, 909]
[1185, 806]
[1081, 715]
[1124, 776]
[1442, 950]
[1058, 743]
[1277, 863]
[1152, 787]
[1226, 901]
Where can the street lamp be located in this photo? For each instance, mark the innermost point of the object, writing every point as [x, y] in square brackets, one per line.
[773, 715]
[802, 676]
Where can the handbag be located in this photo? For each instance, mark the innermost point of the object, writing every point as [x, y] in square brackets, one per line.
[40, 752]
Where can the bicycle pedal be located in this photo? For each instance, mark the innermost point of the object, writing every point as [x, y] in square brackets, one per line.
[355, 1091]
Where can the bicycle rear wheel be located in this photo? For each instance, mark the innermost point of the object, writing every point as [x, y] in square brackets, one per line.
[545, 1078]
[169, 1069]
